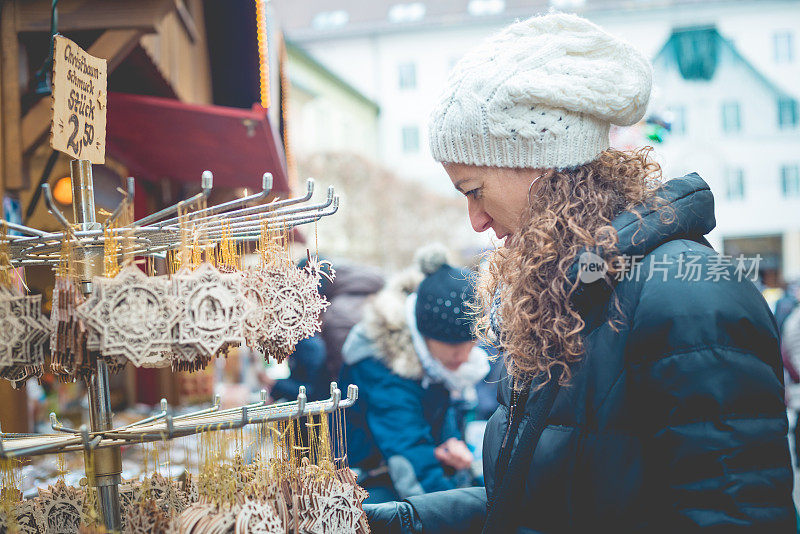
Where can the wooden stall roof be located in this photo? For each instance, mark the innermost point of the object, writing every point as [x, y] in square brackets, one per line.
[159, 138]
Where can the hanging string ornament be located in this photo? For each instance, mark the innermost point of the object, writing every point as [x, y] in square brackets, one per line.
[285, 306]
[132, 315]
[210, 307]
[23, 336]
[165, 493]
[68, 336]
[25, 518]
[59, 509]
[146, 517]
[259, 517]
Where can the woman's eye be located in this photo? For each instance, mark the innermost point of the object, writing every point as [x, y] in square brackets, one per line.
[473, 193]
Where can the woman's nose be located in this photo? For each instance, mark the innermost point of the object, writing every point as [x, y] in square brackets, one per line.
[479, 219]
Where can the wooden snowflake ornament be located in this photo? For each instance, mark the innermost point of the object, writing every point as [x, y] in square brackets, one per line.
[211, 307]
[133, 315]
[59, 509]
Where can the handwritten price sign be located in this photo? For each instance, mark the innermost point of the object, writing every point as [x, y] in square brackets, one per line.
[79, 102]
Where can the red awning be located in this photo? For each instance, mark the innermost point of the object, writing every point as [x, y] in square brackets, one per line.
[159, 138]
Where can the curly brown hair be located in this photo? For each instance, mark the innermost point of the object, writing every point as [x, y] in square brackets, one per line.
[572, 210]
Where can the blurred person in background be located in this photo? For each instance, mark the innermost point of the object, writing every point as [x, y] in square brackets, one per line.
[412, 353]
[787, 303]
[351, 287]
[636, 399]
[306, 368]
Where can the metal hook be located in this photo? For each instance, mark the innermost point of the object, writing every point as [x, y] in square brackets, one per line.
[266, 181]
[156, 417]
[352, 393]
[206, 182]
[51, 205]
[336, 396]
[128, 200]
[85, 437]
[170, 426]
[56, 425]
[215, 212]
[244, 415]
[301, 401]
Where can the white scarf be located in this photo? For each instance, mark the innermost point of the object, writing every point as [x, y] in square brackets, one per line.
[460, 383]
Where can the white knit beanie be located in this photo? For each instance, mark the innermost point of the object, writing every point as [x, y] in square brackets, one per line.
[542, 93]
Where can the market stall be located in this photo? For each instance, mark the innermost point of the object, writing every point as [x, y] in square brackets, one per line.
[177, 289]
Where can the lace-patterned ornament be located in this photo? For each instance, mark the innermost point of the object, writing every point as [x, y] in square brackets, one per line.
[23, 520]
[133, 315]
[257, 517]
[68, 338]
[285, 307]
[23, 336]
[146, 517]
[59, 509]
[338, 508]
[210, 307]
[165, 493]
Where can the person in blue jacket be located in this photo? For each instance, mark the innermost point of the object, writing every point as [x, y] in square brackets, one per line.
[643, 389]
[413, 352]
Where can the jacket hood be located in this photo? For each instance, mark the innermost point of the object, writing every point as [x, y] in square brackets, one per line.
[384, 333]
[685, 210]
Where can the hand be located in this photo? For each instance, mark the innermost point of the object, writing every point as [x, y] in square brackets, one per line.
[453, 453]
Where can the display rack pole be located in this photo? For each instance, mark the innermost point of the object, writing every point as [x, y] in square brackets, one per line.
[107, 461]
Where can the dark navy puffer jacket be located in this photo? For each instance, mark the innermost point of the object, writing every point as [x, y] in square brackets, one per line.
[673, 423]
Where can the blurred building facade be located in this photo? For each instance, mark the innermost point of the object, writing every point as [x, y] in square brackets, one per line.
[738, 128]
[327, 113]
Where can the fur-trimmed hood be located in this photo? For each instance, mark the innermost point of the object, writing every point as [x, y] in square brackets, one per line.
[388, 333]
[384, 332]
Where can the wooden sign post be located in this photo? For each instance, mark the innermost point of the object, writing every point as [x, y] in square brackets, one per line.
[80, 84]
[79, 130]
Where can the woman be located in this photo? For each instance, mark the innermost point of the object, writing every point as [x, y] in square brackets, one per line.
[639, 397]
[412, 354]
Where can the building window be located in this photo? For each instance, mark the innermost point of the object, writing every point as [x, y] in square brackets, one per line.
[328, 20]
[734, 184]
[790, 180]
[480, 8]
[410, 139]
[783, 46]
[412, 12]
[407, 76]
[678, 126]
[787, 112]
[731, 117]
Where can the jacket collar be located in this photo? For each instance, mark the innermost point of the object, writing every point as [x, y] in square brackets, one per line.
[689, 214]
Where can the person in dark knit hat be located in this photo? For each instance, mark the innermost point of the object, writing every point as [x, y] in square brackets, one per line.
[411, 356]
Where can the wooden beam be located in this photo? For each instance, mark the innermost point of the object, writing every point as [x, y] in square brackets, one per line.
[114, 45]
[186, 20]
[144, 15]
[13, 177]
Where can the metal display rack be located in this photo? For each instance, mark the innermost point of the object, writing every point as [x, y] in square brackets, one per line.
[241, 220]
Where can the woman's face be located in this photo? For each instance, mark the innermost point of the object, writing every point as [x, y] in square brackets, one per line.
[451, 355]
[496, 196]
